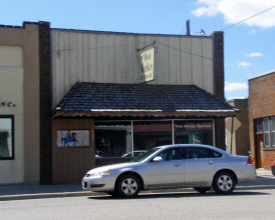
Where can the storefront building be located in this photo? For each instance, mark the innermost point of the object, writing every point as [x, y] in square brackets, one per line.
[96, 96]
[19, 104]
[262, 119]
[123, 93]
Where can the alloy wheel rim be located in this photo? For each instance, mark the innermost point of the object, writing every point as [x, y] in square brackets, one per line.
[225, 183]
[129, 186]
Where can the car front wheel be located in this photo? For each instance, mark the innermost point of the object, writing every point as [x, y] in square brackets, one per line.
[224, 183]
[128, 186]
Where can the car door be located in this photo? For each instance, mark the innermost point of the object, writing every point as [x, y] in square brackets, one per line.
[168, 172]
[199, 166]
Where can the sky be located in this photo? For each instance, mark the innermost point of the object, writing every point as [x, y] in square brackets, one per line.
[249, 44]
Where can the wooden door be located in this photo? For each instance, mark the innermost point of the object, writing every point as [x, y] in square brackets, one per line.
[71, 162]
[259, 150]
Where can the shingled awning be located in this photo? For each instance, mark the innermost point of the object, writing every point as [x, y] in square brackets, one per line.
[138, 100]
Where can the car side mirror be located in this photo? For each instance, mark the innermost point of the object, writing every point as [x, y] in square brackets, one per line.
[157, 159]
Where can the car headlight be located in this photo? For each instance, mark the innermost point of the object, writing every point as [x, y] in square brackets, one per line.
[101, 173]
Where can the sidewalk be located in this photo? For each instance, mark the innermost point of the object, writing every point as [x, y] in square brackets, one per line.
[265, 180]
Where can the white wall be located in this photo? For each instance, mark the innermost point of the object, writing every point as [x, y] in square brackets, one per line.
[11, 90]
[105, 57]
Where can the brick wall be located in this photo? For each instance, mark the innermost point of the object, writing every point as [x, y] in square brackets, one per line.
[261, 104]
[269, 158]
[45, 103]
[219, 84]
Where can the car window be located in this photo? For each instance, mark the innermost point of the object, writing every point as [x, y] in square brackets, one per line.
[200, 152]
[145, 155]
[171, 154]
[216, 154]
[137, 153]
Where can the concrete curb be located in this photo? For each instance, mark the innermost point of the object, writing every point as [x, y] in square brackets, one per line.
[90, 194]
[47, 195]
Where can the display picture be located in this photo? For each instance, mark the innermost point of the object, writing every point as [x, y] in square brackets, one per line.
[73, 138]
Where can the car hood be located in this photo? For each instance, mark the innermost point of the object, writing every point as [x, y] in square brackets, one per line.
[114, 166]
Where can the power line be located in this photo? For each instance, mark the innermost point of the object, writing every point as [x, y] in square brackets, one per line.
[248, 18]
[95, 48]
[106, 47]
[181, 50]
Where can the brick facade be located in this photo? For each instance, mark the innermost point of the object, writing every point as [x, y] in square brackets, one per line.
[261, 105]
[219, 84]
[45, 103]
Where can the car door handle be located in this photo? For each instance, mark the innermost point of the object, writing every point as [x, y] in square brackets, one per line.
[211, 162]
[177, 164]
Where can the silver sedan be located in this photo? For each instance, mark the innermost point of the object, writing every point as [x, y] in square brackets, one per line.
[173, 166]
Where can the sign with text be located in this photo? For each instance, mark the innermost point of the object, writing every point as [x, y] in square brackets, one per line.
[193, 126]
[147, 65]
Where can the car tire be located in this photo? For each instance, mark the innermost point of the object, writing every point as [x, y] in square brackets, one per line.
[224, 183]
[114, 194]
[202, 189]
[128, 186]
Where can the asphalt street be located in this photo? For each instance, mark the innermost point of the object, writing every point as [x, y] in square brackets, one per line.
[241, 204]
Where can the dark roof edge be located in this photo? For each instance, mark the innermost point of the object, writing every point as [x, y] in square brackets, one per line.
[129, 33]
[220, 114]
[218, 99]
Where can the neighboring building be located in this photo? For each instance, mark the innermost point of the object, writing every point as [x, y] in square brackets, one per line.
[262, 119]
[19, 104]
[112, 93]
[237, 133]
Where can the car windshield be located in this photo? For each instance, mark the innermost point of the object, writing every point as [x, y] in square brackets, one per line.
[145, 155]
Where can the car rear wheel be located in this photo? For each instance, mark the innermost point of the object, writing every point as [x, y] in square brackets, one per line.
[224, 183]
[202, 189]
[128, 186]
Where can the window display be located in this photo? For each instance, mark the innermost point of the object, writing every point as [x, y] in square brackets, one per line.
[6, 138]
[130, 138]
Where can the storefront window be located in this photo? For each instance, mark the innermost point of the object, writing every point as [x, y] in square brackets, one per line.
[266, 132]
[6, 138]
[149, 134]
[112, 139]
[273, 131]
[194, 132]
[132, 138]
[259, 125]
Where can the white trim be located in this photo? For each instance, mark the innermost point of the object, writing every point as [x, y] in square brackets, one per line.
[261, 74]
[132, 137]
[214, 132]
[173, 131]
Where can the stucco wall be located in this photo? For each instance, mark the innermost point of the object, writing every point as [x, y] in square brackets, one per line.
[240, 139]
[19, 74]
[11, 91]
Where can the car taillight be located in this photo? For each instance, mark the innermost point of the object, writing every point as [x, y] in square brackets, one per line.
[249, 161]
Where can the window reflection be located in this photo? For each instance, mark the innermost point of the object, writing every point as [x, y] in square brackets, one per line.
[194, 132]
[113, 139]
[150, 134]
[6, 141]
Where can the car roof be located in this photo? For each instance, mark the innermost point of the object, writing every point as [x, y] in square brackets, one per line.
[193, 145]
